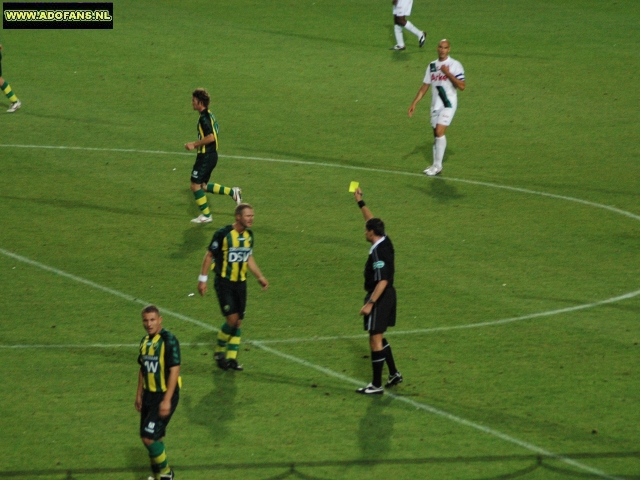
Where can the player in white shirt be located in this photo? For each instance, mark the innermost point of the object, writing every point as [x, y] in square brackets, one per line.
[447, 77]
[401, 10]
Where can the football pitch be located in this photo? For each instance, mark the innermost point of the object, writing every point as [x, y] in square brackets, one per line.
[516, 269]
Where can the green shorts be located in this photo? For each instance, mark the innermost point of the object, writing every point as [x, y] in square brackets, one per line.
[205, 163]
[232, 296]
[152, 426]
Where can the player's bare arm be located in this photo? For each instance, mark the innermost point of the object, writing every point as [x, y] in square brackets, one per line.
[172, 383]
[205, 141]
[421, 93]
[377, 293]
[366, 213]
[204, 272]
[138, 403]
[460, 84]
[253, 267]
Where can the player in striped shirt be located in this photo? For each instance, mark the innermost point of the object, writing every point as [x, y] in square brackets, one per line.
[231, 254]
[446, 75]
[159, 386]
[207, 158]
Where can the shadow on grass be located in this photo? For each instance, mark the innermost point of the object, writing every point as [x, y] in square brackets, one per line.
[75, 205]
[349, 163]
[217, 408]
[91, 120]
[440, 190]
[376, 429]
[425, 150]
[194, 238]
[292, 469]
[348, 42]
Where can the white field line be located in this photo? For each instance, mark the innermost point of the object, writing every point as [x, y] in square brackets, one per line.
[441, 413]
[102, 288]
[626, 296]
[364, 335]
[326, 371]
[335, 165]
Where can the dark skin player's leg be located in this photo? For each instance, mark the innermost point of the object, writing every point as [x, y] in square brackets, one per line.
[402, 21]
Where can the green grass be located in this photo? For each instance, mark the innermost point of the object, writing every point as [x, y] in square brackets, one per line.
[550, 107]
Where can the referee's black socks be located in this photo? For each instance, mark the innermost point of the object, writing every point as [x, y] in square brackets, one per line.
[377, 362]
[388, 357]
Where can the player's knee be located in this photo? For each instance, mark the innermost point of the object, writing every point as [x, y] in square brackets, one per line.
[375, 342]
[234, 320]
[400, 21]
[147, 441]
[195, 187]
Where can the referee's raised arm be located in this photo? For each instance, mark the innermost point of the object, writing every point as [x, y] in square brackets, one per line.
[366, 213]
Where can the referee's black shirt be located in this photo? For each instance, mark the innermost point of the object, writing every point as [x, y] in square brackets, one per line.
[380, 265]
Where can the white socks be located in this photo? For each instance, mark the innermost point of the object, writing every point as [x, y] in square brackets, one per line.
[439, 146]
[397, 29]
[412, 28]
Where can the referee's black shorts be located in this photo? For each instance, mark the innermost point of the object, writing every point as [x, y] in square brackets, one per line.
[383, 314]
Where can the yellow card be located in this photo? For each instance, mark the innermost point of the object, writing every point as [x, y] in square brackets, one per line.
[353, 186]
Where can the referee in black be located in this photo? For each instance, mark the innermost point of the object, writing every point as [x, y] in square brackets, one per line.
[379, 308]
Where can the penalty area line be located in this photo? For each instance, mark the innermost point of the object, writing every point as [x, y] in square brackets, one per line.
[419, 406]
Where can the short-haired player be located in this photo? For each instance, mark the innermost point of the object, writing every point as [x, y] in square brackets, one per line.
[158, 391]
[446, 76]
[207, 157]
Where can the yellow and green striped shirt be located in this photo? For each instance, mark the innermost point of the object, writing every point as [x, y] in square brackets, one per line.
[207, 125]
[157, 355]
[231, 251]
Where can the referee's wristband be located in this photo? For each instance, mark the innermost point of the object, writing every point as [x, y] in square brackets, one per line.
[371, 300]
[361, 203]
[203, 278]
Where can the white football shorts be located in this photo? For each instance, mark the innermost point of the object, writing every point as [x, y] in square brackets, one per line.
[402, 8]
[442, 116]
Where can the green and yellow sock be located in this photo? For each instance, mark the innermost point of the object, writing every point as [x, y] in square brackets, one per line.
[201, 200]
[158, 456]
[219, 189]
[224, 335]
[6, 88]
[233, 346]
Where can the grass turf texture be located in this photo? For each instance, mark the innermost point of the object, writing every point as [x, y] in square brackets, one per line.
[550, 107]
